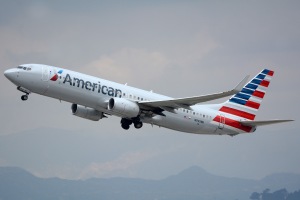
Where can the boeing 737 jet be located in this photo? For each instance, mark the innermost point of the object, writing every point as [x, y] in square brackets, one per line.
[95, 98]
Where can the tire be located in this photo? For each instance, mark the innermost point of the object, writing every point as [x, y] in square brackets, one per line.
[125, 126]
[24, 97]
[126, 121]
[138, 125]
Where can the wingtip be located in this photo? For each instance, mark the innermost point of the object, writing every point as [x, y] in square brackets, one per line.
[240, 86]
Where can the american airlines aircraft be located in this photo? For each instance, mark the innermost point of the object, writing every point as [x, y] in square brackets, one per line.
[94, 98]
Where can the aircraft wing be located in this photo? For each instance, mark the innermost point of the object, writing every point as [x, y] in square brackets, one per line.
[264, 122]
[171, 104]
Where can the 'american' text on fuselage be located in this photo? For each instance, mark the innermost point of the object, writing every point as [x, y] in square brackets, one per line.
[106, 90]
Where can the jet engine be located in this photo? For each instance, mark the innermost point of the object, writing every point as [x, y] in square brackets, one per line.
[124, 107]
[87, 113]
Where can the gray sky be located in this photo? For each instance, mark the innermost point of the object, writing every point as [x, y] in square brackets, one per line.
[176, 48]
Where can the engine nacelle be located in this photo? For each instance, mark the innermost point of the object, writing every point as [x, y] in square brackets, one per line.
[87, 113]
[124, 107]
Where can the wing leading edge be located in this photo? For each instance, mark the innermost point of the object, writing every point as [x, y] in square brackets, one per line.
[171, 104]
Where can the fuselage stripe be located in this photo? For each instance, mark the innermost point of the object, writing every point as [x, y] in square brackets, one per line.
[271, 73]
[233, 123]
[252, 104]
[265, 83]
[256, 81]
[251, 86]
[260, 76]
[247, 91]
[237, 112]
[242, 96]
[258, 94]
[238, 101]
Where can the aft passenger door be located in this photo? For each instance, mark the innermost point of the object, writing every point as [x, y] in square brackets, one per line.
[221, 121]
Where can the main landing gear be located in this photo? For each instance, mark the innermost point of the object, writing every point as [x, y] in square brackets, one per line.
[125, 123]
[24, 90]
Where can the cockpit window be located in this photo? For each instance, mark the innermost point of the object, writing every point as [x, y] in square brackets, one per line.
[24, 68]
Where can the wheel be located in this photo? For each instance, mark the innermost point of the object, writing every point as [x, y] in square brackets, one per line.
[126, 121]
[24, 97]
[138, 125]
[125, 126]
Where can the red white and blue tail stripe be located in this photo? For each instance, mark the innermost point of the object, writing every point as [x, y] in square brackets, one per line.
[249, 99]
[245, 104]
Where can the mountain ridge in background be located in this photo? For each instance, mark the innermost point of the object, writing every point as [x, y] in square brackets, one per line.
[192, 183]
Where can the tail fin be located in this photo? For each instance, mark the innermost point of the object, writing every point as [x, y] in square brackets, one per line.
[246, 103]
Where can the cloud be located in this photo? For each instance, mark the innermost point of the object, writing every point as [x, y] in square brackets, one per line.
[120, 165]
[194, 50]
[129, 64]
[15, 45]
[3, 162]
[66, 171]
[142, 66]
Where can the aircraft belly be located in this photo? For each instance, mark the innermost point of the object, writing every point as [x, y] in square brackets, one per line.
[175, 122]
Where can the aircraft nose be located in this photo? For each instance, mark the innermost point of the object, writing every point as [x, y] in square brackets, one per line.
[11, 74]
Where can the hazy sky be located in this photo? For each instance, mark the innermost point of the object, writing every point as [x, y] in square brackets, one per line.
[176, 48]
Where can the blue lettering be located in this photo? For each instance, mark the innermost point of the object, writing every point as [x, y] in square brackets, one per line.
[106, 90]
[103, 89]
[111, 91]
[68, 79]
[88, 85]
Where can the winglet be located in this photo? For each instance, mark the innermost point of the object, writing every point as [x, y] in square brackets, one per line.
[240, 86]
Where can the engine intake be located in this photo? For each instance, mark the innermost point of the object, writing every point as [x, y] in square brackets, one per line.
[124, 107]
[87, 113]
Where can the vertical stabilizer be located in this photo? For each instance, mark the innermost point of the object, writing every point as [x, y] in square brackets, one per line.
[243, 106]
[246, 103]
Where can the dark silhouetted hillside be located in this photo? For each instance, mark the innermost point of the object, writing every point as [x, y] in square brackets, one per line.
[192, 183]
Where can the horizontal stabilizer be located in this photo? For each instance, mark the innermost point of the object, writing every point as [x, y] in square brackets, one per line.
[264, 122]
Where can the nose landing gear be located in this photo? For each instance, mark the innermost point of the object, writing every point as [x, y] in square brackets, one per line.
[24, 90]
[24, 97]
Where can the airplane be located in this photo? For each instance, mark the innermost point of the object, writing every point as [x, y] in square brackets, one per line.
[95, 98]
